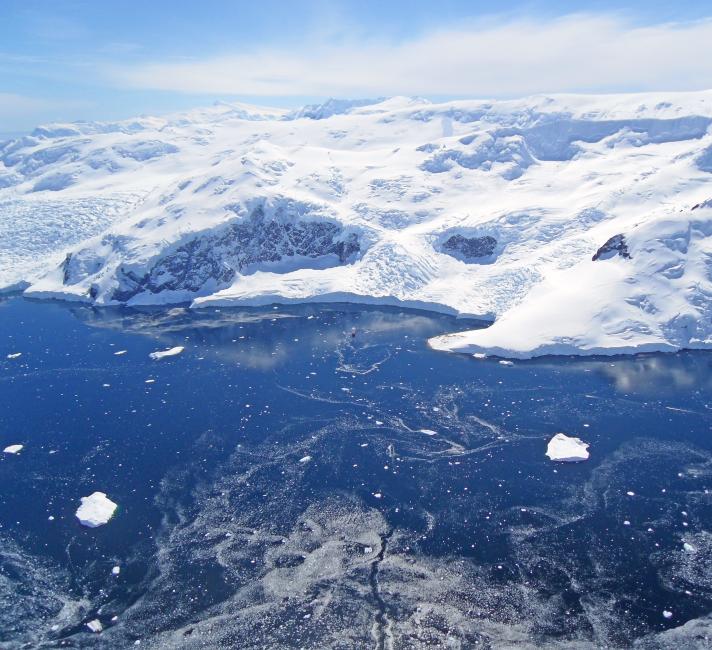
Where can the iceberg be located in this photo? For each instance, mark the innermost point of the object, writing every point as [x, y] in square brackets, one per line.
[13, 449]
[95, 625]
[166, 353]
[567, 449]
[96, 510]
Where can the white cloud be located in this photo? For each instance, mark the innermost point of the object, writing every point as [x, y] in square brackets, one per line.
[23, 111]
[572, 53]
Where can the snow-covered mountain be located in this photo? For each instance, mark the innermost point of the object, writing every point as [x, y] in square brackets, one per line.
[579, 224]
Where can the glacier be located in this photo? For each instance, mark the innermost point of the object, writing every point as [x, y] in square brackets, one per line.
[574, 224]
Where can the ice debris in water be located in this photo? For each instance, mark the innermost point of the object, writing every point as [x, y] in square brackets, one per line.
[95, 625]
[667, 613]
[13, 449]
[306, 459]
[14, 355]
[506, 362]
[689, 548]
[118, 353]
[161, 354]
[96, 510]
[567, 449]
[115, 571]
[428, 432]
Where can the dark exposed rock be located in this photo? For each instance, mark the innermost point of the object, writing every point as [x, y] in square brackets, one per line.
[616, 245]
[469, 248]
[213, 260]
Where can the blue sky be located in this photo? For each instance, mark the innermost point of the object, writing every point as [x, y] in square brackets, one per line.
[105, 59]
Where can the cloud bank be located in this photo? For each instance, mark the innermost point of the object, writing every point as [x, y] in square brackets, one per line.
[576, 53]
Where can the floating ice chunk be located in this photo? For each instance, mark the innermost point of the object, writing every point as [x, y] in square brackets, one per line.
[14, 355]
[667, 613]
[505, 362]
[13, 449]
[115, 571]
[428, 432]
[118, 353]
[306, 459]
[161, 354]
[630, 493]
[96, 509]
[367, 550]
[378, 495]
[479, 355]
[689, 548]
[150, 381]
[564, 448]
[95, 625]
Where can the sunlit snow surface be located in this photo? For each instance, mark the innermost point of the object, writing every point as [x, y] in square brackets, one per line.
[493, 209]
[427, 514]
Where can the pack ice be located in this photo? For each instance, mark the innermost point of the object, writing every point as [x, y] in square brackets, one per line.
[577, 224]
[95, 510]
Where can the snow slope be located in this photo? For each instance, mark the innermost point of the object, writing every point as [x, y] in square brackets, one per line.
[489, 209]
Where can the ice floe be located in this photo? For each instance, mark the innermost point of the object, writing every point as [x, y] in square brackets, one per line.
[96, 510]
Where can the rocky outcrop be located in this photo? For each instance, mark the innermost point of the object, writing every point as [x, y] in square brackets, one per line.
[616, 245]
[213, 260]
[469, 248]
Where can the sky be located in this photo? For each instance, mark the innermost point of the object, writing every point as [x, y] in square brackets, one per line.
[66, 60]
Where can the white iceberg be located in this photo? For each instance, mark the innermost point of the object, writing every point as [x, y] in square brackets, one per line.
[567, 449]
[96, 510]
[14, 355]
[13, 449]
[166, 353]
[95, 625]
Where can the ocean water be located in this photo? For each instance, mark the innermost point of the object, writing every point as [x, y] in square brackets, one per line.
[317, 477]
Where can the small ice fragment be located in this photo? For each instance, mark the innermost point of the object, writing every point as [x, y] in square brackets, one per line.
[479, 355]
[505, 362]
[378, 495]
[95, 625]
[378, 422]
[13, 449]
[50, 518]
[306, 459]
[96, 510]
[106, 385]
[150, 381]
[118, 353]
[115, 571]
[428, 432]
[166, 353]
[630, 493]
[14, 355]
[367, 550]
[626, 523]
[667, 613]
[689, 547]
[567, 449]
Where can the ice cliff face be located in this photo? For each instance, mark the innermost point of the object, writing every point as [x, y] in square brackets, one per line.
[578, 224]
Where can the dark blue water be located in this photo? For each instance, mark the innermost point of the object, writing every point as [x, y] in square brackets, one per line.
[276, 489]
